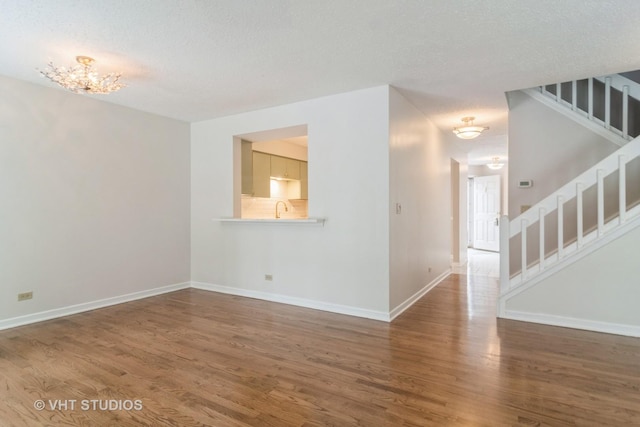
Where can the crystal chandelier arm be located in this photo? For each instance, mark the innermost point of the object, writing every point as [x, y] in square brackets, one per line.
[83, 78]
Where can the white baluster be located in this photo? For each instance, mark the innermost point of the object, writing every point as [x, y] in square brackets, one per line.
[559, 93]
[607, 102]
[600, 189]
[541, 222]
[523, 233]
[505, 276]
[579, 214]
[590, 95]
[560, 226]
[625, 112]
[622, 187]
[574, 95]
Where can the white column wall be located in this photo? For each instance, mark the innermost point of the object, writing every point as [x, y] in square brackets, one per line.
[344, 262]
[420, 181]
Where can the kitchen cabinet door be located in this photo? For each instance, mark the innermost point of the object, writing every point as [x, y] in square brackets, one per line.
[278, 167]
[293, 169]
[261, 174]
[285, 168]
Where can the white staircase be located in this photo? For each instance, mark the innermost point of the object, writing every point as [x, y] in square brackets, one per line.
[527, 256]
[531, 268]
[594, 99]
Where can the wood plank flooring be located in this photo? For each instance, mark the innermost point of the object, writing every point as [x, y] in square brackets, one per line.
[195, 358]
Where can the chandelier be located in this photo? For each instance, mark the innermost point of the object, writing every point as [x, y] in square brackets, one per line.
[469, 131]
[83, 78]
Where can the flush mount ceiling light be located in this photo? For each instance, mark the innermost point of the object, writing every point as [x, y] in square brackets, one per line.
[469, 131]
[83, 78]
[495, 164]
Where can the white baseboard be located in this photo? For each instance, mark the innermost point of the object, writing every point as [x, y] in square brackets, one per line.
[415, 297]
[88, 306]
[546, 319]
[574, 323]
[300, 302]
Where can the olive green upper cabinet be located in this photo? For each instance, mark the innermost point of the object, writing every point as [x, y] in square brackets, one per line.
[285, 168]
[293, 169]
[261, 172]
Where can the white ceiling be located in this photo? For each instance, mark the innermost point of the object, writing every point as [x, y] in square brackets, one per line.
[199, 59]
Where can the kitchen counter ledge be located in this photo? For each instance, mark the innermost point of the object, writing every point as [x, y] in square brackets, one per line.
[319, 221]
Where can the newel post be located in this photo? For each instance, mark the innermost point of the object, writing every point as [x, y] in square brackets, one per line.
[504, 254]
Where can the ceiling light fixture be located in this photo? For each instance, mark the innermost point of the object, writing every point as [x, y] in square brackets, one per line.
[469, 131]
[83, 78]
[495, 164]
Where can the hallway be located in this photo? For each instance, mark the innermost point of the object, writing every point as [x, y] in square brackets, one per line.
[480, 263]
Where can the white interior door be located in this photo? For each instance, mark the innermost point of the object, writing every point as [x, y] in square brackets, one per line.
[486, 214]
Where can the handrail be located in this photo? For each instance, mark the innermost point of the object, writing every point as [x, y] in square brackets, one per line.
[586, 179]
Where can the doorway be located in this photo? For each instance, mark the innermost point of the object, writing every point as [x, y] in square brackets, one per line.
[484, 212]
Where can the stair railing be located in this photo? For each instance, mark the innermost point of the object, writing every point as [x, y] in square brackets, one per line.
[510, 230]
[594, 104]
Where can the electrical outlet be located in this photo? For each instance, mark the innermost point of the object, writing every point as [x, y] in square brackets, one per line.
[25, 296]
[398, 208]
[268, 277]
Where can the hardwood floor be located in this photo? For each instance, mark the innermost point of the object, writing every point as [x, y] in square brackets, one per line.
[195, 358]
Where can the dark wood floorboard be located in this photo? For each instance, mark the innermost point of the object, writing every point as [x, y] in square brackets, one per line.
[196, 358]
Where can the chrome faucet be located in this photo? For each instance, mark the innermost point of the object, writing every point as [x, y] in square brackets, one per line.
[286, 209]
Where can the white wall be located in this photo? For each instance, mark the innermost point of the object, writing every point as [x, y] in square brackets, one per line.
[94, 199]
[599, 292]
[420, 180]
[548, 148]
[345, 262]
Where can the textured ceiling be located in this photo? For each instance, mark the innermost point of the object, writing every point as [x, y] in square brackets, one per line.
[196, 59]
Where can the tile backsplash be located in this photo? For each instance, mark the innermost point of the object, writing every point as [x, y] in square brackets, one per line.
[262, 207]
